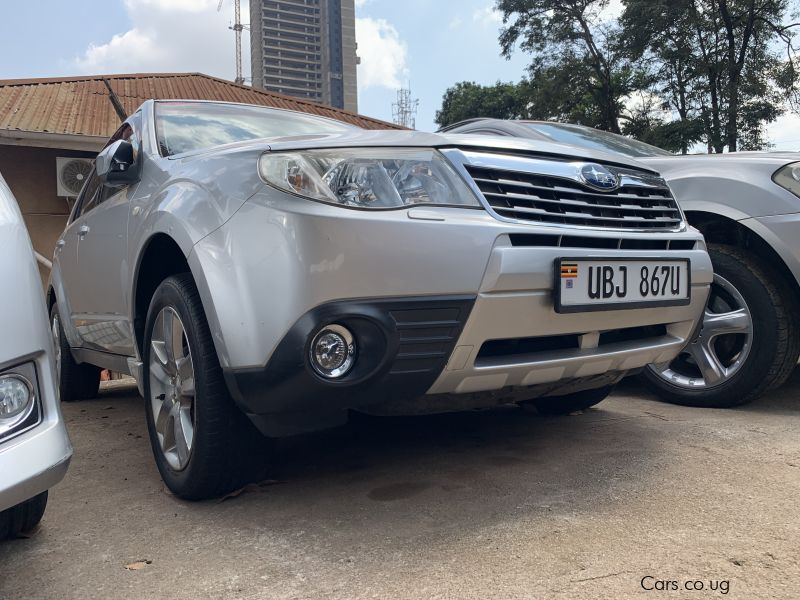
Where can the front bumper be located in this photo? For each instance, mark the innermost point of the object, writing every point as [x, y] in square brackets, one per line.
[403, 346]
[458, 278]
[34, 465]
[515, 303]
[36, 460]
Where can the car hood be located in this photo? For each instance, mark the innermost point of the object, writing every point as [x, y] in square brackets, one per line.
[769, 160]
[385, 138]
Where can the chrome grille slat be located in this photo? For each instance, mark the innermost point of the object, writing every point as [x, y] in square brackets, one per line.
[654, 193]
[577, 203]
[545, 198]
[625, 221]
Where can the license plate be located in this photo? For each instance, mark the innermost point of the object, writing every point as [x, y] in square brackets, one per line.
[613, 284]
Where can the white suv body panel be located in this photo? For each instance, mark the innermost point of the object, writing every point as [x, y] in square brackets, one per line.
[35, 458]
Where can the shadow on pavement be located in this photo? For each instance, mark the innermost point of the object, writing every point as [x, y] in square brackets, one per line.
[488, 464]
[784, 400]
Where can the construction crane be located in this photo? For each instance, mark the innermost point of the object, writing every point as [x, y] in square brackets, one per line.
[237, 28]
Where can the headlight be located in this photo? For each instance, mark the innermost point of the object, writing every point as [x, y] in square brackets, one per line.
[378, 178]
[16, 400]
[788, 177]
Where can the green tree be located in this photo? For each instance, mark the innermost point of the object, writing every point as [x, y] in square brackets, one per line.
[559, 93]
[467, 99]
[727, 64]
[660, 40]
[712, 71]
[646, 121]
[571, 43]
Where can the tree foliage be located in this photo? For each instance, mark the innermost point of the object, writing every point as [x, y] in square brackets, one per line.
[729, 64]
[569, 42]
[670, 72]
[468, 99]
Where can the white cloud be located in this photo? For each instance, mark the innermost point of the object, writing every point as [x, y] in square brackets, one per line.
[170, 35]
[487, 16]
[613, 10]
[194, 6]
[384, 56]
[784, 132]
[360, 3]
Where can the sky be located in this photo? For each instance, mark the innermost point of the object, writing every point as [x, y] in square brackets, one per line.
[427, 44]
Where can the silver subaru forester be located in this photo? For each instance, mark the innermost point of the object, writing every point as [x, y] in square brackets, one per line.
[254, 266]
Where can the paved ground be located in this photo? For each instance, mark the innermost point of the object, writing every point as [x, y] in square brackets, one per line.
[503, 504]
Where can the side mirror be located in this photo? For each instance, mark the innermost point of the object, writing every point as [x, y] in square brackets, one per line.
[116, 164]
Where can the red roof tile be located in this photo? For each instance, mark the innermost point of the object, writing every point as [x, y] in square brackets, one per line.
[82, 105]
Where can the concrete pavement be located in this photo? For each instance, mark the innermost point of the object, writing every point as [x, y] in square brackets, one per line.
[500, 504]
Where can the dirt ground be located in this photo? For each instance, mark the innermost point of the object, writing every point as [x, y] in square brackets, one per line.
[631, 495]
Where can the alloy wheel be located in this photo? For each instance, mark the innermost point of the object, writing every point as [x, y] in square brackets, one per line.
[172, 388]
[720, 348]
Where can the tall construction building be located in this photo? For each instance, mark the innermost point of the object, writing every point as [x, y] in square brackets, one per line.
[305, 48]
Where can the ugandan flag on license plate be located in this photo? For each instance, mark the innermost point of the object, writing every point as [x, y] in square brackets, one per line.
[569, 270]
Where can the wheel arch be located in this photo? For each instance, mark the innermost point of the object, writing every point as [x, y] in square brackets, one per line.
[50, 298]
[161, 257]
[56, 295]
[721, 229]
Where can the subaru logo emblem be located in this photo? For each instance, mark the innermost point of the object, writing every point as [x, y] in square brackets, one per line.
[597, 176]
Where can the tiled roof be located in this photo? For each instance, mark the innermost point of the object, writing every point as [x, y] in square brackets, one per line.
[82, 105]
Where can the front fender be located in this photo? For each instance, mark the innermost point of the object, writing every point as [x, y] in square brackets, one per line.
[734, 190]
[183, 210]
[780, 232]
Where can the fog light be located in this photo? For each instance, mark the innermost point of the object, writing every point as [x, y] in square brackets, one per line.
[333, 351]
[16, 397]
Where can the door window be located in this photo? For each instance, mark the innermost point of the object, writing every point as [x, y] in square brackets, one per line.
[93, 193]
[87, 199]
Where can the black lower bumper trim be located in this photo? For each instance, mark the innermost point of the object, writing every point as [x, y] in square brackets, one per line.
[402, 346]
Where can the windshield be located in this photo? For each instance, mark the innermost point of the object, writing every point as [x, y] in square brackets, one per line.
[587, 137]
[188, 126]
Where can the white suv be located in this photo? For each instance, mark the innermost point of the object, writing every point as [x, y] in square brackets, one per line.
[34, 447]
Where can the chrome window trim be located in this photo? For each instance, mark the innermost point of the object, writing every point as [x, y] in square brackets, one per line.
[551, 167]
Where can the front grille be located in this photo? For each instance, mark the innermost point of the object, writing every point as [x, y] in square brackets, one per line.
[539, 198]
[544, 240]
[493, 349]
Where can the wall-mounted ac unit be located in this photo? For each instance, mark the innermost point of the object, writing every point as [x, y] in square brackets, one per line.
[71, 174]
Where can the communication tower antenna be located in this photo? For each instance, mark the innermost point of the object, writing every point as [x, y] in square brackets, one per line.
[404, 111]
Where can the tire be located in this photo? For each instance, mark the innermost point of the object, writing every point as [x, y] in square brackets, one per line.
[224, 447]
[564, 405]
[76, 381]
[747, 363]
[23, 517]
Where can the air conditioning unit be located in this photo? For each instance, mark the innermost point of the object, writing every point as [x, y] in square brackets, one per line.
[71, 174]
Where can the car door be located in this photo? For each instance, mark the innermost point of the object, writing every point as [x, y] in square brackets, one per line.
[100, 309]
[66, 253]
